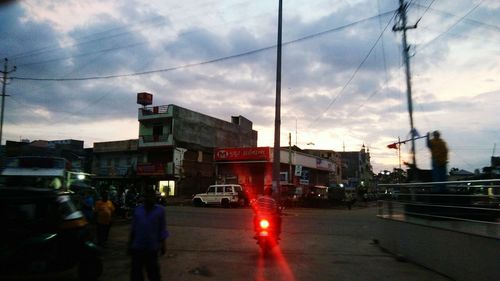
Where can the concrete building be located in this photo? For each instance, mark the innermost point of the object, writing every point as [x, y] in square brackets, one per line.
[335, 157]
[356, 168]
[176, 147]
[115, 162]
[252, 168]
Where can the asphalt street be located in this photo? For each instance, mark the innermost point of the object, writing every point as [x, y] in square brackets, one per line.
[317, 244]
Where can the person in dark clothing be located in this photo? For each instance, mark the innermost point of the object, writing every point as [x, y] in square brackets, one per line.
[148, 234]
[266, 206]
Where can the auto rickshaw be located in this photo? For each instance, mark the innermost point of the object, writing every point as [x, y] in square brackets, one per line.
[42, 234]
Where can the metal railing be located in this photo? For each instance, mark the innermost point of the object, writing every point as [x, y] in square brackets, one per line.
[155, 138]
[465, 206]
[151, 110]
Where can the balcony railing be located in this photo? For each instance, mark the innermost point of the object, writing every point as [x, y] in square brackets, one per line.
[155, 140]
[152, 112]
[112, 171]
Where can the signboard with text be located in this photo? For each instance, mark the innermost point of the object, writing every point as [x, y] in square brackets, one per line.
[150, 169]
[243, 154]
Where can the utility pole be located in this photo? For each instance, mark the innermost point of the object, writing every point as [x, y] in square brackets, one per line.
[290, 179]
[401, 26]
[5, 73]
[277, 116]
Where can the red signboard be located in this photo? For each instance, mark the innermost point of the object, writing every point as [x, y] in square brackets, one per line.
[144, 98]
[153, 169]
[243, 153]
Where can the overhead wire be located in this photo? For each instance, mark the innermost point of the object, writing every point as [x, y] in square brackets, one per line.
[474, 21]
[133, 28]
[56, 47]
[421, 47]
[207, 61]
[132, 45]
[105, 35]
[384, 61]
[354, 73]
[426, 9]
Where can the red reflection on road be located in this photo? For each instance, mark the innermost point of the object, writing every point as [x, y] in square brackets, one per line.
[266, 266]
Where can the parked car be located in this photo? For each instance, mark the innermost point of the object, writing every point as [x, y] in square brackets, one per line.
[317, 196]
[225, 195]
[289, 197]
[42, 234]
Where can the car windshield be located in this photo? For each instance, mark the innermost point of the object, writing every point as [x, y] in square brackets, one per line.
[33, 181]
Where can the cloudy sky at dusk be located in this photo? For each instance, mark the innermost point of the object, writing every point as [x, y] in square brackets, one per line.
[80, 65]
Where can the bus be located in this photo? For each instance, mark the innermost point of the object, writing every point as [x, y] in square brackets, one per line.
[40, 171]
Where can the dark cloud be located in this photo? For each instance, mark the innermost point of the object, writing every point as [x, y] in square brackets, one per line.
[327, 85]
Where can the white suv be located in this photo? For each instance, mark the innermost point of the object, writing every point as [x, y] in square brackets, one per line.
[221, 194]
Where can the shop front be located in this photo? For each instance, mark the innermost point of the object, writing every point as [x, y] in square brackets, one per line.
[252, 168]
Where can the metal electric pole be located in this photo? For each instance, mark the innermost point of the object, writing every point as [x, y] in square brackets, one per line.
[401, 26]
[277, 116]
[5, 72]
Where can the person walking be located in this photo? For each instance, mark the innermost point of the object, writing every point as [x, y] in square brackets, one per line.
[148, 234]
[88, 205]
[104, 210]
[439, 156]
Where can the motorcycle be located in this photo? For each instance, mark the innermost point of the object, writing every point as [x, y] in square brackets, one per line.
[130, 202]
[161, 198]
[266, 233]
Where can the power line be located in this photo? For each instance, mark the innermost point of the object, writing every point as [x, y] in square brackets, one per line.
[354, 73]
[251, 52]
[84, 54]
[452, 26]
[474, 21]
[105, 35]
[426, 9]
[78, 43]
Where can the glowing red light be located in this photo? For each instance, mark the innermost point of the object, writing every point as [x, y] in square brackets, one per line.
[264, 224]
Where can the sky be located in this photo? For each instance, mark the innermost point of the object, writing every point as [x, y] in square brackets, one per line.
[80, 64]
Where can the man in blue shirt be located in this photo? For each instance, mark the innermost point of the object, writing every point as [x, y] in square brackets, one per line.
[148, 235]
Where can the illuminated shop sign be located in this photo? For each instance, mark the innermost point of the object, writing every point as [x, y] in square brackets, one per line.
[243, 153]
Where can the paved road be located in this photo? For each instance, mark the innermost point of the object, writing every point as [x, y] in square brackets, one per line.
[317, 244]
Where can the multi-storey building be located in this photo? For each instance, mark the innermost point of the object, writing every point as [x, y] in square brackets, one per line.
[356, 168]
[115, 162]
[176, 146]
